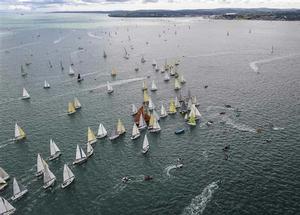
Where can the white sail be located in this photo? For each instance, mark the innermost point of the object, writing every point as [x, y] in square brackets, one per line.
[46, 84]
[77, 103]
[78, 154]
[153, 86]
[142, 122]
[17, 131]
[71, 71]
[163, 111]
[177, 104]
[145, 144]
[156, 125]
[16, 187]
[67, 173]
[151, 105]
[25, 94]
[89, 149]
[167, 77]
[135, 130]
[40, 163]
[109, 87]
[48, 175]
[156, 115]
[101, 131]
[196, 111]
[83, 155]
[53, 148]
[3, 174]
[177, 84]
[154, 63]
[134, 109]
[6, 207]
[182, 80]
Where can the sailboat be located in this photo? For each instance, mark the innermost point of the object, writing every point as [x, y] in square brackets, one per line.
[163, 112]
[68, 177]
[104, 54]
[80, 156]
[177, 104]
[126, 55]
[25, 94]
[172, 108]
[135, 132]
[192, 118]
[120, 127]
[46, 85]
[54, 151]
[155, 126]
[145, 145]
[19, 133]
[196, 112]
[142, 123]
[91, 138]
[71, 108]
[156, 115]
[114, 135]
[23, 73]
[49, 177]
[151, 105]
[71, 71]
[153, 86]
[143, 59]
[101, 132]
[113, 72]
[3, 174]
[182, 80]
[77, 104]
[144, 86]
[3, 183]
[146, 97]
[162, 69]
[183, 108]
[5, 207]
[134, 109]
[40, 163]
[18, 190]
[156, 68]
[177, 84]
[167, 77]
[172, 72]
[109, 88]
[151, 122]
[89, 150]
[154, 63]
[194, 101]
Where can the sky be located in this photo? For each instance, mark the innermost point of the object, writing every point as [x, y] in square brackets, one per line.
[65, 5]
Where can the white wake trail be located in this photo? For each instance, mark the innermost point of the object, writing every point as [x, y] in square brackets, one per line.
[18, 47]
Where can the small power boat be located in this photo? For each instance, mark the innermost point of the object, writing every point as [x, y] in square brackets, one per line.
[179, 131]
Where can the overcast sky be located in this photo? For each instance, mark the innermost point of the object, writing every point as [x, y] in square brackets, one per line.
[56, 5]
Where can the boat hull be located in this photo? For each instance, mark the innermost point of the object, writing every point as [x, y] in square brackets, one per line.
[135, 137]
[90, 154]
[180, 131]
[71, 113]
[114, 137]
[110, 91]
[67, 182]
[49, 183]
[20, 138]
[19, 195]
[144, 151]
[143, 127]
[163, 116]
[153, 130]
[92, 142]
[80, 161]
[55, 156]
[3, 186]
[101, 136]
[25, 97]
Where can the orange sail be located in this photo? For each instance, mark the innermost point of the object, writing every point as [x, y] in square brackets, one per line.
[145, 115]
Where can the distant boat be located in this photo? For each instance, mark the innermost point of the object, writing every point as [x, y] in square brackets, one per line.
[162, 69]
[144, 86]
[61, 66]
[153, 86]
[167, 77]
[80, 156]
[101, 132]
[113, 72]
[134, 110]
[120, 127]
[196, 112]
[68, 177]
[71, 71]
[151, 105]
[172, 107]
[176, 101]
[40, 163]
[177, 85]
[3, 183]
[71, 108]
[25, 94]
[54, 150]
[145, 145]
[89, 150]
[143, 60]
[5, 207]
[109, 88]
[126, 55]
[19, 133]
[179, 131]
[3, 174]
[104, 54]
[79, 78]
[172, 72]
[182, 80]
[18, 190]
[155, 126]
[146, 97]
[114, 135]
[192, 118]
[23, 73]
[194, 101]
[91, 138]
[156, 115]
[77, 104]
[163, 112]
[183, 108]
[135, 132]
[49, 177]
[142, 123]
[46, 85]
[154, 63]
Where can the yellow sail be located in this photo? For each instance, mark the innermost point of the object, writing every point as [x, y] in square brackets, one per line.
[71, 108]
[192, 120]
[120, 127]
[151, 121]
[172, 108]
[146, 97]
[113, 72]
[177, 84]
[91, 135]
[22, 133]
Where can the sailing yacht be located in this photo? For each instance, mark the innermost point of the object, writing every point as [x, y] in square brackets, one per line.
[192, 118]
[135, 132]
[3, 174]
[194, 101]
[134, 109]
[154, 63]
[71, 108]
[5, 207]
[177, 84]
[167, 77]
[18, 190]
[77, 104]
[89, 150]
[144, 86]
[91, 138]
[196, 112]
[101, 132]
[104, 54]
[49, 177]
[80, 156]
[120, 127]
[68, 177]
[25, 94]
[172, 108]
[151, 105]
[146, 97]
[113, 72]
[156, 115]
[114, 135]
[23, 73]
[54, 150]
[143, 60]
[182, 80]
[142, 123]
[156, 68]
[153, 86]
[109, 88]
[155, 126]
[177, 104]
[163, 112]
[71, 71]
[40, 165]
[3, 183]
[19, 133]
[146, 146]
[46, 85]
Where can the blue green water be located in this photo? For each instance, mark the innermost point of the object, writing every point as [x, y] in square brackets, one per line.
[239, 69]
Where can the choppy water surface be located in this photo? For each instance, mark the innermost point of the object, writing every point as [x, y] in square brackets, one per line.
[239, 69]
